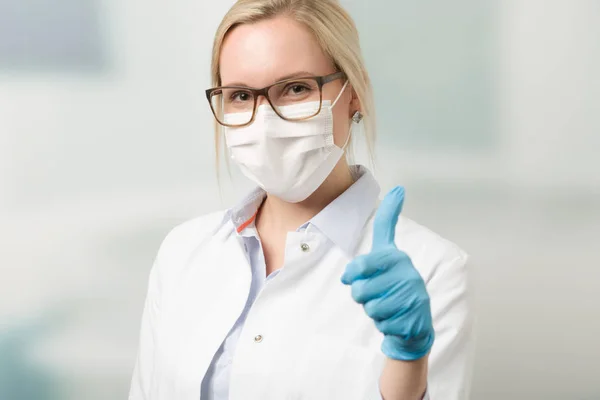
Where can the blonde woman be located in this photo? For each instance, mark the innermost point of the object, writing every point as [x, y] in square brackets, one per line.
[309, 288]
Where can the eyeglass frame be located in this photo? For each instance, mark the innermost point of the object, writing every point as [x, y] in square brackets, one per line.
[321, 81]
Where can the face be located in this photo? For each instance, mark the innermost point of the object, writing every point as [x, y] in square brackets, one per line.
[258, 55]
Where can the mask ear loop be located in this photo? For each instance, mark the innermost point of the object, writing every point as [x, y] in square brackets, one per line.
[340, 95]
[333, 105]
[348, 137]
[355, 120]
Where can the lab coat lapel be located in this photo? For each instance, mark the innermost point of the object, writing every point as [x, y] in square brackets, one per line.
[213, 299]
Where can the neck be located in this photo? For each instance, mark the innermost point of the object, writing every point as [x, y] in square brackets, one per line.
[279, 217]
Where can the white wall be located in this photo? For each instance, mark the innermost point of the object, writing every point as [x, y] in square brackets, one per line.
[551, 91]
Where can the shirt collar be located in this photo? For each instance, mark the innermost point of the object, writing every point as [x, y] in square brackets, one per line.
[341, 221]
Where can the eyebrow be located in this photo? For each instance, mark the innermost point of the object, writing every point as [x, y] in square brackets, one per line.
[300, 74]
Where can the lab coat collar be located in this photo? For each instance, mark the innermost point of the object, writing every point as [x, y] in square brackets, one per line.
[244, 213]
[341, 221]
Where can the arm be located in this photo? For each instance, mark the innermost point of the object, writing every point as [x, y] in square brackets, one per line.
[413, 315]
[451, 358]
[449, 372]
[404, 379]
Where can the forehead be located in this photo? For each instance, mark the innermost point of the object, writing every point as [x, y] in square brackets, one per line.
[262, 53]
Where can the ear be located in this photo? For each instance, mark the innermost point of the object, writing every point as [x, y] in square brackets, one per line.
[354, 103]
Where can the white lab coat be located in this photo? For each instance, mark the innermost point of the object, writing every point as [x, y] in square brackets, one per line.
[305, 337]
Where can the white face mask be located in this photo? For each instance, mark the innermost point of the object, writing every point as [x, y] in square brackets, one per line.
[288, 159]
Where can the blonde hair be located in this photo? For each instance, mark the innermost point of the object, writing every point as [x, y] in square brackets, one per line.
[336, 33]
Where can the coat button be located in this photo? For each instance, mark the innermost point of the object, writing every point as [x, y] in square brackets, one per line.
[258, 338]
[304, 247]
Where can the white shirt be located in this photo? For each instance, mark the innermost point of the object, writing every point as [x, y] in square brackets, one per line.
[215, 385]
[300, 335]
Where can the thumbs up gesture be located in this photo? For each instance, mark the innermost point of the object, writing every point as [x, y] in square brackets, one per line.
[390, 289]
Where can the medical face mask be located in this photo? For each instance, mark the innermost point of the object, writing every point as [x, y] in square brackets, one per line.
[288, 159]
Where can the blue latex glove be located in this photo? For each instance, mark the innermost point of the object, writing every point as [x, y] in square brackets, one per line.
[391, 289]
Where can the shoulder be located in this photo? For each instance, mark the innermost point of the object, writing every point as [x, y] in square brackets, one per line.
[430, 253]
[420, 238]
[177, 247]
[188, 235]
[174, 251]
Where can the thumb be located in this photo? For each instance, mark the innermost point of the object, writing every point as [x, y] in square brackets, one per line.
[384, 226]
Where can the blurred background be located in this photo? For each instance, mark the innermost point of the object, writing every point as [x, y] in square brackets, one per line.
[489, 114]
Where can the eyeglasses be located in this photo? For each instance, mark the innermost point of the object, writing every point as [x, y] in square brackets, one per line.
[235, 106]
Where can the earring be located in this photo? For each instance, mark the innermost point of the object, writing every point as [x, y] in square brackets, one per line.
[357, 117]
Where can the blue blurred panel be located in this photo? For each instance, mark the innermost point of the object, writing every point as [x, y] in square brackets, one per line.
[22, 377]
[432, 71]
[51, 35]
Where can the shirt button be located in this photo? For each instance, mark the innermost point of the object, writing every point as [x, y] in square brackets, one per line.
[258, 338]
[304, 247]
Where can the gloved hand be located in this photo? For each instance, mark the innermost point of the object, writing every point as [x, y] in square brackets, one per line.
[391, 289]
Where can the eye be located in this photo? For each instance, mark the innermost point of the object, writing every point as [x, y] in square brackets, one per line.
[297, 89]
[240, 96]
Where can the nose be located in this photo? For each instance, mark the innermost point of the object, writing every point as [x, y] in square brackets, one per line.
[262, 100]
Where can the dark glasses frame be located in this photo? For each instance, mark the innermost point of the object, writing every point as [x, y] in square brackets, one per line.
[320, 80]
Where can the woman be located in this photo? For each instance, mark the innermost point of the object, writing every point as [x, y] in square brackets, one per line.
[308, 289]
